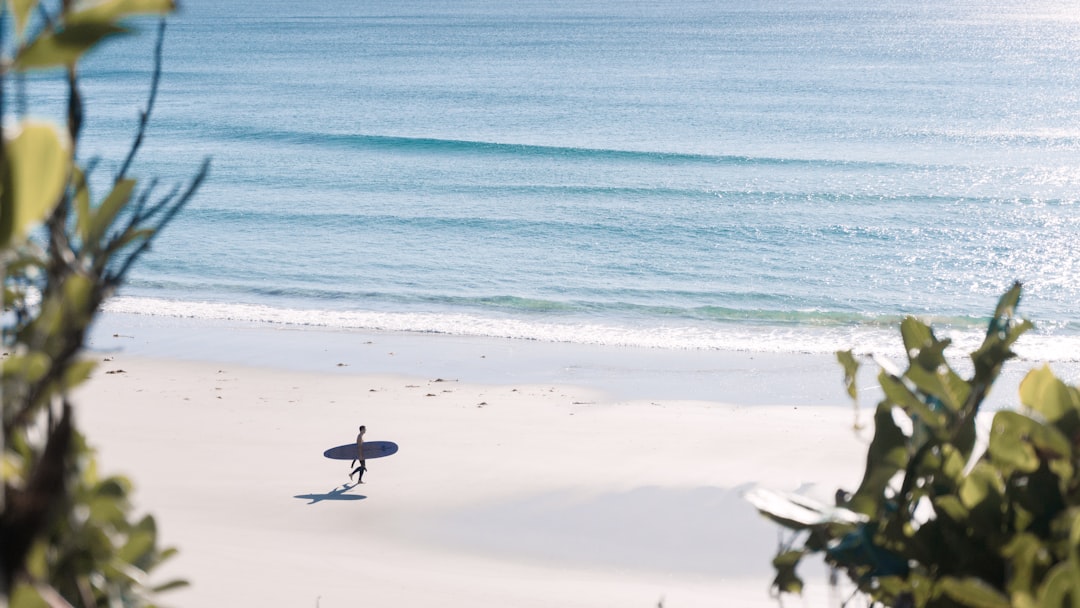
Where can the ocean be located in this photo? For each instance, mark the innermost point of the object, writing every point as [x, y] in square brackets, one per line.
[771, 176]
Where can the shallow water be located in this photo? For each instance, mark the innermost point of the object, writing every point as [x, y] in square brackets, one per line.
[777, 177]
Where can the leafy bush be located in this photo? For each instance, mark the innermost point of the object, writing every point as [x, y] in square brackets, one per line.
[936, 522]
[67, 535]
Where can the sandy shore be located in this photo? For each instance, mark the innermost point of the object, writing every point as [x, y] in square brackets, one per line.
[502, 494]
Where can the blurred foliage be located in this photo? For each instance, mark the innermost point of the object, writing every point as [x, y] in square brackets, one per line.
[68, 536]
[935, 521]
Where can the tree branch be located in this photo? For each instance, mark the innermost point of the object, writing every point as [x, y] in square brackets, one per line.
[144, 116]
[169, 212]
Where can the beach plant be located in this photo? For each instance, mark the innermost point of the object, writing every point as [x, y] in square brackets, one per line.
[68, 534]
[945, 517]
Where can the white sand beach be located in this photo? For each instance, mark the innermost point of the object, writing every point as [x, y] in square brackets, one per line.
[502, 494]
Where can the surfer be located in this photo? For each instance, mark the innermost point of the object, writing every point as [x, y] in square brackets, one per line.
[359, 456]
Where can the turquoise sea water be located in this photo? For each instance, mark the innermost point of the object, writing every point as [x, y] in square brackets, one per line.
[779, 176]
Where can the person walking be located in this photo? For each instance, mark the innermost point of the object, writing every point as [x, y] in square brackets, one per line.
[359, 456]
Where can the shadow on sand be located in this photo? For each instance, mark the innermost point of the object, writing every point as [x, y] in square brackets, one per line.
[338, 493]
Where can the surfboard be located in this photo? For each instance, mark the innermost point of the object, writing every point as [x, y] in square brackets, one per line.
[372, 449]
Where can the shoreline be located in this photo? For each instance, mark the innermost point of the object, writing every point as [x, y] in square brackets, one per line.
[621, 372]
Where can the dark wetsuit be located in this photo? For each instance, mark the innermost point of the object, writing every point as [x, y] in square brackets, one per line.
[360, 457]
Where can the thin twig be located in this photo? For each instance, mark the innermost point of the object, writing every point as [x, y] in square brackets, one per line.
[135, 221]
[46, 18]
[144, 116]
[82, 184]
[140, 203]
[75, 109]
[162, 204]
[114, 279]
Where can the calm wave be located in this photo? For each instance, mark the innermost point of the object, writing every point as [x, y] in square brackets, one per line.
[776, 176]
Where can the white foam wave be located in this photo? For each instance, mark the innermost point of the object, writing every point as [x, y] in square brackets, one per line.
[639, 334]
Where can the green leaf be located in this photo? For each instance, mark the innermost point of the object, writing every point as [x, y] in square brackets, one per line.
[951, 506]
[983, 484]
[1074, 535]
[36, 562]
[973, 592]
[83, 214]
[25, 596]
[106, 213]
[1026, 555]
[78, 372]
[131, 236]
[1044, 393]
[116, 486]
[112, 11]
[1023, 518]
[983, 493]
[1009, 447]
[11, 468]
[1001, 333]
[887, 455]
[952, 463]
[915, 408]
[941, 382]
[916, 335]
[37, 160]
[22, 10]
[169, 586]
[788, 558]
[1006, 309]
[1058, 587]
[851, 368]
[106, 510]
[78, 296]
[64, 48]
[892, 586]
[787, 581]
[147, 525]
[924, 350]
[28, 368]
[1019, 443]
[138, 545]
[1007, 306]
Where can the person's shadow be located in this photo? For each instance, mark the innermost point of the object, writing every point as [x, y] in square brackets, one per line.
[338, 493]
